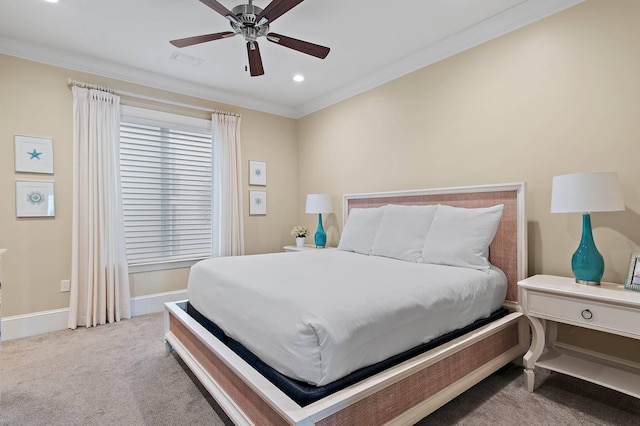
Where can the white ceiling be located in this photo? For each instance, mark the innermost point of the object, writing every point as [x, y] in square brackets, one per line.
[371, 41]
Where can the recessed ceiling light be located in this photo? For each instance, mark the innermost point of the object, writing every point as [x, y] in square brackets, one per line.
[51, 1]
[298, 78]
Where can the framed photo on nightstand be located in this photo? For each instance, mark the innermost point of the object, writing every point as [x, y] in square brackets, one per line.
[633, 276]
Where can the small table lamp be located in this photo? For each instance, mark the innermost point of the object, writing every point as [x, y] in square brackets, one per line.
[585, 193]
[319, 203]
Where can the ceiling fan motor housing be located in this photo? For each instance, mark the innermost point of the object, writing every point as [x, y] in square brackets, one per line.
[247, 26]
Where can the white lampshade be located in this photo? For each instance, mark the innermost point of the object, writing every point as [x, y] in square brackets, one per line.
[318, 203]
[586, 192]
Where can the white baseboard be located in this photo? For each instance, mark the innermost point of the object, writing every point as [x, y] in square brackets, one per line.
[35, 323]
[142, 305]
[44, 322]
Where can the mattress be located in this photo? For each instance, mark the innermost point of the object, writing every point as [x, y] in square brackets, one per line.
[316, 316]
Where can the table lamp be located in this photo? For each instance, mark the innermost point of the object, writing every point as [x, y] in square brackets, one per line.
[319, 203]
[585, 193]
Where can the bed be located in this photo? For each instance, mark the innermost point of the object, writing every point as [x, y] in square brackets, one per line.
[402, 393]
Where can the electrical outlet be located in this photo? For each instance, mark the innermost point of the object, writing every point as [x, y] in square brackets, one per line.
[65, 285]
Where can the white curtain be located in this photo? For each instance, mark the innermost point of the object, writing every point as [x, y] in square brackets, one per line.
[99, 272]
[228, 227]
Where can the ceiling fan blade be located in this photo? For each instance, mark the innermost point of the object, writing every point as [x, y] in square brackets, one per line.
[299, 45]
[190, 41]
[255, 60]
[277, 8]
[213, 4]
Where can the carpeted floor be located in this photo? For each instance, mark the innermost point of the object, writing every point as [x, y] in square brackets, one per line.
[120, 374]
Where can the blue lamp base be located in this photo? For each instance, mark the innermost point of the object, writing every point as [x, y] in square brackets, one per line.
[587, 263]
[321, 236]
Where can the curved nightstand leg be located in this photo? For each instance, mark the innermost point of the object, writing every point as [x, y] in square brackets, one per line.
[537, 346]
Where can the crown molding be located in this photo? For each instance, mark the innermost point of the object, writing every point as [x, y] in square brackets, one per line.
[68, 60]
[518, 16]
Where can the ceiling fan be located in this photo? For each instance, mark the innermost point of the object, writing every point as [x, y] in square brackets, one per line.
[252, 22]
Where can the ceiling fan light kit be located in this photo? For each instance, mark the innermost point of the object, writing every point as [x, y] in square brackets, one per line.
[252, 22]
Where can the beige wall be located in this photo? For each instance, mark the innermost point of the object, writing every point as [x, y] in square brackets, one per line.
[559, 96]
[35, 101]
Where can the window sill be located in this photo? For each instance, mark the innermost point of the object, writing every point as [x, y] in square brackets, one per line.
[151, 267]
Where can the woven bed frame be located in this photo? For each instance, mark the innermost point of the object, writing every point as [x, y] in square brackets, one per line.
[402, 394]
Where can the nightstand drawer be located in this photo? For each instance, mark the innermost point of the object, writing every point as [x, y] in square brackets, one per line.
[584, 313]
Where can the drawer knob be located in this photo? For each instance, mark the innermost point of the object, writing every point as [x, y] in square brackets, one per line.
[587, 314]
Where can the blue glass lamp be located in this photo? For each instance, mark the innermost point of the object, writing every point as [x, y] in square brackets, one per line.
[586, 193]
[319, 203]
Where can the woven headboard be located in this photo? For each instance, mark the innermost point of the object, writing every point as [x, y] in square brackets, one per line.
[508, 249]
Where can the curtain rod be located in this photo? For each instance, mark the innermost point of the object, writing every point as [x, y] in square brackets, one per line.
[84, 85]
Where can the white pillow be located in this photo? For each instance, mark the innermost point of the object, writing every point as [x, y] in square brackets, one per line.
[402, 232]
[360, 230]
[461, 237]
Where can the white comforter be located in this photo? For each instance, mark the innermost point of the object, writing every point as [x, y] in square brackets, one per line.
[318, 315]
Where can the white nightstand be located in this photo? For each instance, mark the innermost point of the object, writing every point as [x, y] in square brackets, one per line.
[306, 247]
[608, 308]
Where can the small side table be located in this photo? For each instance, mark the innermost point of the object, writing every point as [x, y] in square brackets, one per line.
[306, 247]
[549, 300]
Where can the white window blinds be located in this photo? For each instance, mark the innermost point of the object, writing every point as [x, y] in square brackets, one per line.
[166, 186]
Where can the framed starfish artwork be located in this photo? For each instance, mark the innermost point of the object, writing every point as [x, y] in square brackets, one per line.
[33, 154]
[257, 203]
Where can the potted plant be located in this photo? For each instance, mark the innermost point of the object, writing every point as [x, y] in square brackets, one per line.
[299, 233]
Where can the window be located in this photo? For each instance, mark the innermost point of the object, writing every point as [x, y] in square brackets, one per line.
[165, 165]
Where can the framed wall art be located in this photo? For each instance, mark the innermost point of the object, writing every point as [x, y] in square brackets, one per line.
[257, 173]
[257, 203]
[35, 199]
[33, 155]
[633, 276]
